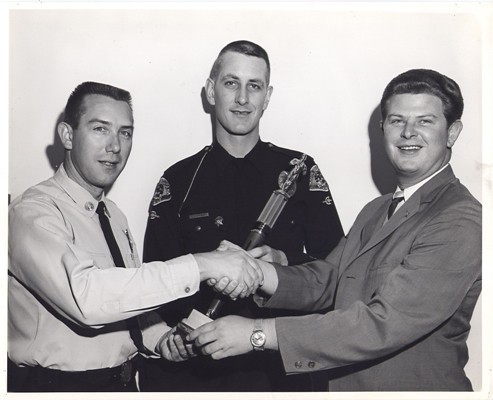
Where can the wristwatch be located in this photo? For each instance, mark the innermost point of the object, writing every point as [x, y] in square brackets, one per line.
[258, 336]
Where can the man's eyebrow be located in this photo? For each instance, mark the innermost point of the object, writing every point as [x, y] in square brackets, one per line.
[230, 76]
[107, 123]
[259, 81]
[100, 121]
[429, 115]
[233, 76]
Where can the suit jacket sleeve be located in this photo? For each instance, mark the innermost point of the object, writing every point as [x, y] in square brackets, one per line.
[314, 284]
[415, 297]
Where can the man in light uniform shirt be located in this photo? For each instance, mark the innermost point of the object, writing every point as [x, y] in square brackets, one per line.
[67, 301]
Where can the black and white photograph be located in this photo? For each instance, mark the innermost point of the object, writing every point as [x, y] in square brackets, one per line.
[254, 199]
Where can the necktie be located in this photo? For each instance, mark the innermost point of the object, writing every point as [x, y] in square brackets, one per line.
[398, 197]
[108, 235]
[132, 323]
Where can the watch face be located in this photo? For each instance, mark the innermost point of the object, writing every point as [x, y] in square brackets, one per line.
[258, 339]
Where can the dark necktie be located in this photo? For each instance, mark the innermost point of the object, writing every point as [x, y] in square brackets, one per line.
[116, 254]
[108, 235]
[398, 197]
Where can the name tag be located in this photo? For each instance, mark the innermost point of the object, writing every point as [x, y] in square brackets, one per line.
[201, 215]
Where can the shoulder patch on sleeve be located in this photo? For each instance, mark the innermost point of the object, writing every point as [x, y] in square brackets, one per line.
[162, 192]
[317, 180]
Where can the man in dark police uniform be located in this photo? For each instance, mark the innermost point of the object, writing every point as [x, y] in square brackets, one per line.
[218, 194]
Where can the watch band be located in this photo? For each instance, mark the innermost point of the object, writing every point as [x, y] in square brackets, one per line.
[257, 325]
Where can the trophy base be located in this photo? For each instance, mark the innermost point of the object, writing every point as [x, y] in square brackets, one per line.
[194, 320]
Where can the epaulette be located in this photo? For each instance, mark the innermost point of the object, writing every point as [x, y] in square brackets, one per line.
[200, 153]
[190, 162]
[288, 152]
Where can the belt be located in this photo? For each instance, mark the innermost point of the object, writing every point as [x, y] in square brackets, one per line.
[123, 373]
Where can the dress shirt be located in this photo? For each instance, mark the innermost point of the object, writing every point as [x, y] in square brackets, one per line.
[67, 301]
[408, 192]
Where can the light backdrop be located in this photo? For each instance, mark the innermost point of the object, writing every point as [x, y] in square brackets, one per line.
[330, 65]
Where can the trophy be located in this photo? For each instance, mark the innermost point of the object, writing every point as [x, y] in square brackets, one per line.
[257, 235]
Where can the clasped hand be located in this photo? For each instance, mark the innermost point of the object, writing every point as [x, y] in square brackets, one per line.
[230, 270]
[263, 256]
[224, 337]
[172, 347]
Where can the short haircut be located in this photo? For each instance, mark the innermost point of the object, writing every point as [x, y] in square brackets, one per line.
[74, 109]
[243, 47]
[418, 81]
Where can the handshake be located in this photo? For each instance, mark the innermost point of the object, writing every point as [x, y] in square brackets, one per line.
[231, 271]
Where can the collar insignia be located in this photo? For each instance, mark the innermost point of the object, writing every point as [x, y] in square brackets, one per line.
[219, 221]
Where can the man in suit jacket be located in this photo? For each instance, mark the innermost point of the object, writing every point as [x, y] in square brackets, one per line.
[403, 286]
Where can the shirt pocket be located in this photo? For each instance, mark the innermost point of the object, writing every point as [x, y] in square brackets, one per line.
[202, 231]
[104, 260]
[129, 250]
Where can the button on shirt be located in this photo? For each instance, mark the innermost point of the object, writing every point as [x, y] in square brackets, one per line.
[66, 299]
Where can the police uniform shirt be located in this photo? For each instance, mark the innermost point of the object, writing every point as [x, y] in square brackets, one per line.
[212, 196]
[66, 299]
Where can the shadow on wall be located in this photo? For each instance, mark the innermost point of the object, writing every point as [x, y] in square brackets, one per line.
[55, 152]
[382, 172]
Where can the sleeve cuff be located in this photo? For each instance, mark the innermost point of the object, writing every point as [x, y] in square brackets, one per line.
[153, 328]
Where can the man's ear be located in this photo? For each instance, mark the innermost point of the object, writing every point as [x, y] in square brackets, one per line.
[65, 133]
[209, 91]
[454, 131]
[267, 98]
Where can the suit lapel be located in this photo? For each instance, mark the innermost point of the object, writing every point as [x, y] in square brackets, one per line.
[374, 223]
[372, 228]
[382, 231]
[362, 230]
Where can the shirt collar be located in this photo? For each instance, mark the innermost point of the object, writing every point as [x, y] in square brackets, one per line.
[223, 158]
[408, 192]
[77, 193]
